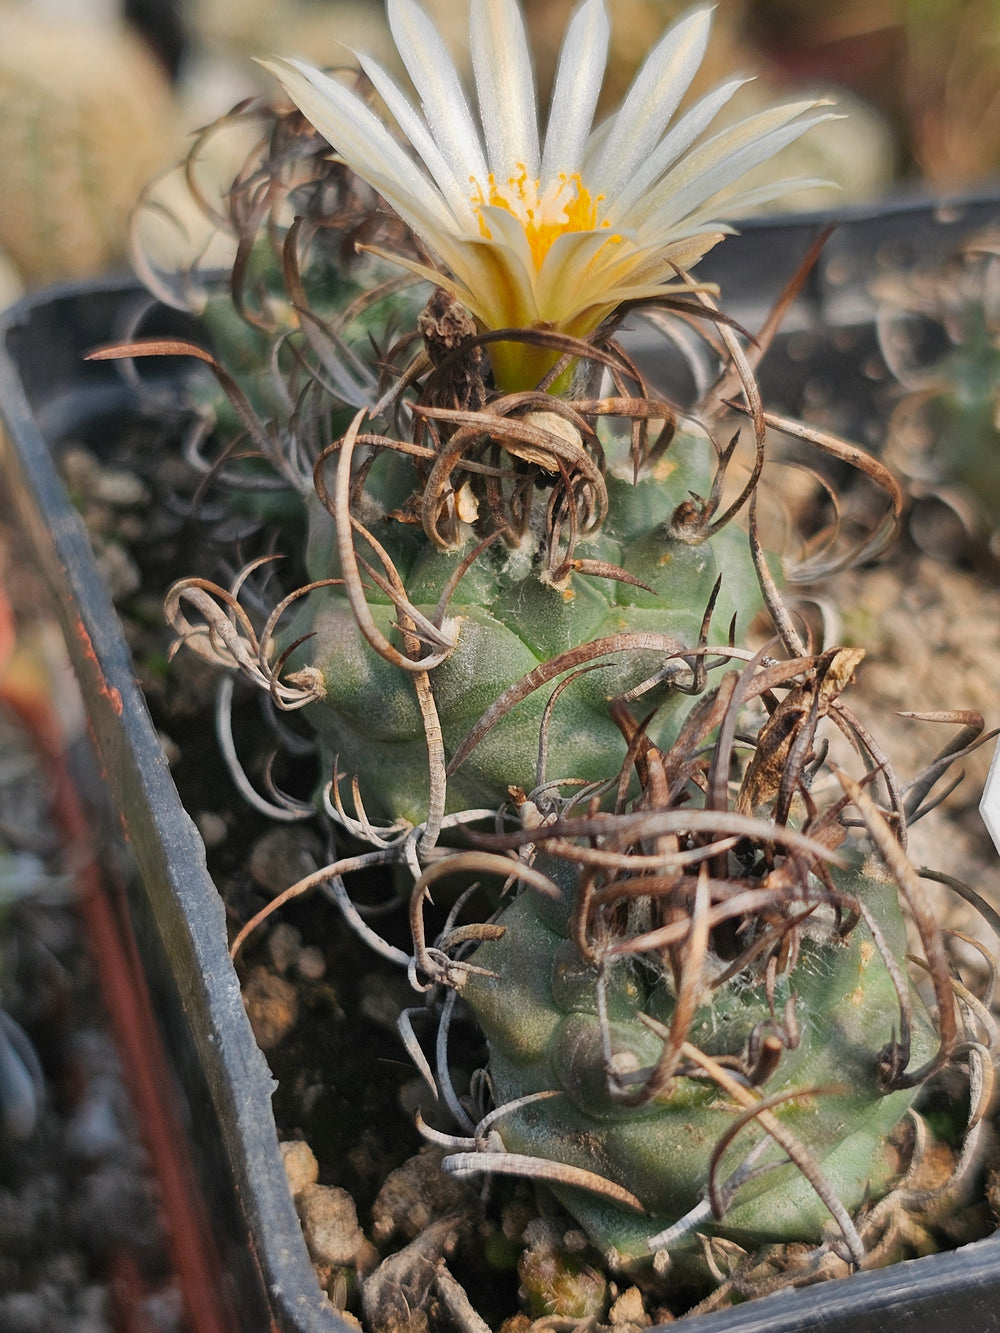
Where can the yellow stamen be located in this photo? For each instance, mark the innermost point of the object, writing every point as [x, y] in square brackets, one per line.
[567, 206]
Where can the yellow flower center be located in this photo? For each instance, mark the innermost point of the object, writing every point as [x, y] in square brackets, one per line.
[566, 206]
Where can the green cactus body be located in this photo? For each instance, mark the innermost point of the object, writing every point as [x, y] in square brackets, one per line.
[539, 1012]
[485, 607]
[939, 328]
[554, 618]
[964, 416]
[508, 621]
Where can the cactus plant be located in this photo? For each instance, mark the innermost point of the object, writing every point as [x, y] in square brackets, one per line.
[88, 115]
[693, 983]
[938, 332]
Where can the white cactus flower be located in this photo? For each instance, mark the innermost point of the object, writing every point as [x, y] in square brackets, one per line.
[551, 235]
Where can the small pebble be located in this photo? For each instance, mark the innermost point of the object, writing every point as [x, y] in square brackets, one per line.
[516, 1323]
[281, 856]
[85, 472]
[414, 1195]
[284, 944]
[311, 963]
[23, 1312]
[213, 828]
[381, 1000]
[300, 1164]
[312, 1094]
[163, 1311]
[272, 1007]
[92, 1303]
[330, 1225]
[123, 490]
[94, 1131]
[629, 1309]
[515, 1217]
[67, 1269]
[171, 750]
[118, 570]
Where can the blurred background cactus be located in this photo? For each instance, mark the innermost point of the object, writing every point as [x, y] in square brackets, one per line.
[940, 334]
[88, 116]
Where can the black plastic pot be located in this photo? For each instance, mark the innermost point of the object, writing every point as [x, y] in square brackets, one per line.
[47, 395]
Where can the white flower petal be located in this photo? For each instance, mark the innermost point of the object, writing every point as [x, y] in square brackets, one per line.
[456, 192]
[593, 275]
[727, 146]
[607, 213]
[655, 94]
[364, 143]
[505, 83]
[737, 204]
[489, 281]
[501, 293]
[707, 170]
[595, 143]
[567, 267]
[687, 130]
[646, 291]
[507, 230]
[633, 264]
[436, 80]
[577, 87]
